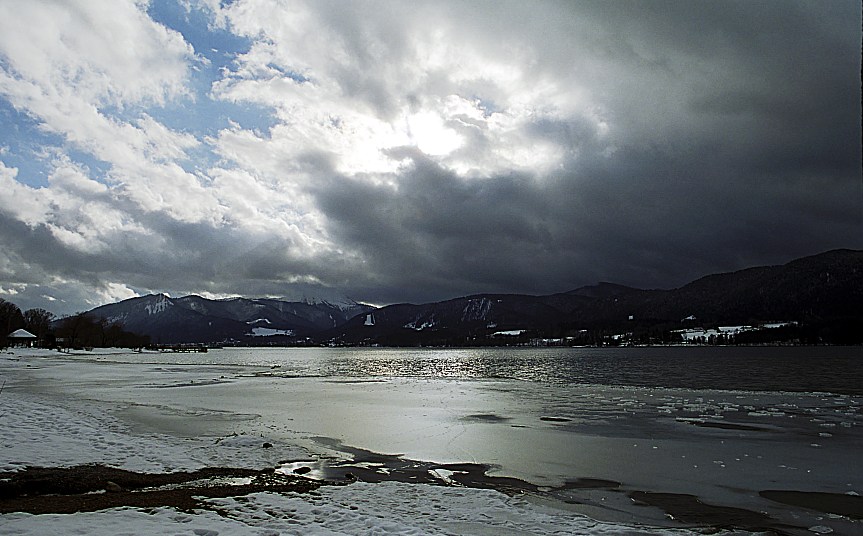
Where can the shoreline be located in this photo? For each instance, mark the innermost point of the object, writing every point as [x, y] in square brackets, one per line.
[93, 487]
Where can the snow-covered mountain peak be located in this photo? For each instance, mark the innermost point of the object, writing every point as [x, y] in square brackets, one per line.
[317, 295]
[343, 304]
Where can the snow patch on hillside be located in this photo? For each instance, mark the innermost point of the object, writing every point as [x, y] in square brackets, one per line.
[117, 319]
[269, 332]
[159, 306]
[476, 309]
[509, 333]
[419, 326]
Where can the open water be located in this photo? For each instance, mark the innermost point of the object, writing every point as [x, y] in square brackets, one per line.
[767, 368]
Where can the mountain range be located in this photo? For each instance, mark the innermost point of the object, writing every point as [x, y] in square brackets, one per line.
[189, 319]
[820, 292]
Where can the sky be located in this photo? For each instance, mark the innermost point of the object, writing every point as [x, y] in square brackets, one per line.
[418, 151]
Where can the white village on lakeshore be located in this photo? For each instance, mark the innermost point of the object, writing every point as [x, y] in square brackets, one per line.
[719, 335]
[705, 336]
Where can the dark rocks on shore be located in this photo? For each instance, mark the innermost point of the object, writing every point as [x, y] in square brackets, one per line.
[66, 490]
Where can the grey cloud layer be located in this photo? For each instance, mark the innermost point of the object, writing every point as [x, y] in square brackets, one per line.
[430, 151]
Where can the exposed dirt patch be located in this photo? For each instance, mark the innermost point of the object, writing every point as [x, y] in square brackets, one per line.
[87, 488]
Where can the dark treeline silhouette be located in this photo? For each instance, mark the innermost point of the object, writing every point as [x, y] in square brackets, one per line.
[11, 319]
[81, 331]
[77, 331]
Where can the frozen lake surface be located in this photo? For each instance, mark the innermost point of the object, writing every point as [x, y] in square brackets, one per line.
[615, 434]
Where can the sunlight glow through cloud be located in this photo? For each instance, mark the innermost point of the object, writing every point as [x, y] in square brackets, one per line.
[431, 136]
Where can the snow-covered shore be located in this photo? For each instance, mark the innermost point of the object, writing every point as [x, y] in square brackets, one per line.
[48, 429]
[361, 508]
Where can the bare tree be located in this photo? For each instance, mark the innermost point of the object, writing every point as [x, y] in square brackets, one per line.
[10, 320]
[38, 322]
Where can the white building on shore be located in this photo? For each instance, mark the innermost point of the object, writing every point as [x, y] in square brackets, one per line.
[22, 337]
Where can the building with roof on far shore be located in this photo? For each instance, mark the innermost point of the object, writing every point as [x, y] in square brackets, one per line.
[22, 337]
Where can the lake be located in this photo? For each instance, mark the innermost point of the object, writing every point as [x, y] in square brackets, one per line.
[619, 434]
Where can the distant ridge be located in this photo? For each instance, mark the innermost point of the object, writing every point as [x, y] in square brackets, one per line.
[192, 318]
[825, 292]
[822, 293]
[602, 290]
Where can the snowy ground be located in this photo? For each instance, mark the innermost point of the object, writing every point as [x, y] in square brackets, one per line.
[385, 508]
[40, 429]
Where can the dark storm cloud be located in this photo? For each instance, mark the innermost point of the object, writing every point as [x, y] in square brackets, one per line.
[437, 233]
[650, 225]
